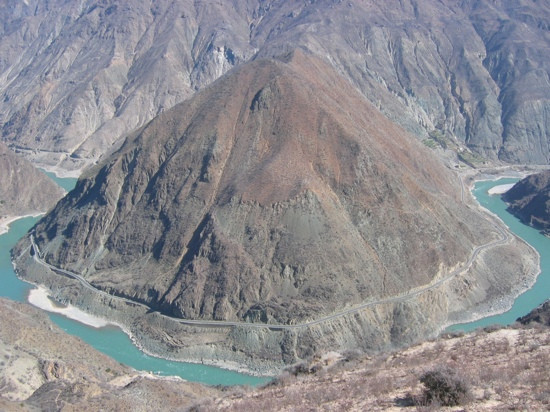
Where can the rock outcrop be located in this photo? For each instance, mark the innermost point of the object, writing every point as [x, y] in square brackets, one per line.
[76, 77]
[23, 189]
[540, 314]
[529, 200]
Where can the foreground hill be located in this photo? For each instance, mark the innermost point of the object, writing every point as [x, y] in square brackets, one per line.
[23, 189]
[501, 369]
[529, 199]
[45, 369]
[276, 196]
[75, 77]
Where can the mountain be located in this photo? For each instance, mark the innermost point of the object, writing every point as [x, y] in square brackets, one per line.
[77, 77]
[23, 189]
[277, 195]
[529, 199]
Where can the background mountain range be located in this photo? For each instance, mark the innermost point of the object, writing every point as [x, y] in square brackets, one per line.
[76, 77]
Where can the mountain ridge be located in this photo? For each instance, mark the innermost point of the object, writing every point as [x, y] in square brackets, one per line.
[478, 78]
[24, 190]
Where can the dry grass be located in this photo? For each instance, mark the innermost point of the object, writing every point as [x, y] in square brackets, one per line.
[505, 369]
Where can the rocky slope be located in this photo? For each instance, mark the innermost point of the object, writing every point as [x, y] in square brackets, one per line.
[529, 199]
[75, 77]
[278, 195]
[43, 368]
[540, 315]
[23, 189]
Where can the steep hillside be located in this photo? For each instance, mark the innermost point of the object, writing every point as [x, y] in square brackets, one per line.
[76, 77]
[23, 189]
[529, 199]
[278, 195]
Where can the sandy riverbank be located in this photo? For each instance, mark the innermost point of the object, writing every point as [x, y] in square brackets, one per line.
[500, 189]
[39, 297]
[6, 221]
[60, 172]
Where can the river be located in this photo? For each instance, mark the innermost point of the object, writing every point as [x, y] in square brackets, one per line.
[541, 289]
[115, 343]
[110, 340]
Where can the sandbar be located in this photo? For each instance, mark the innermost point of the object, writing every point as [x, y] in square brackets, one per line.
[39, 297]
[500, 189]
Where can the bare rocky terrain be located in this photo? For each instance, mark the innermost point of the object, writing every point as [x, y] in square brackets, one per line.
[503, 370]
[261, 162]
[23, 189]
[77, 77]
[529, 199]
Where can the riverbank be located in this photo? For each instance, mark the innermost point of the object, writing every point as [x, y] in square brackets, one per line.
[500, 189]
[501, 310]
[116, 342]
[62, 173]
[6, 221]
[227, 347]
[40, 298]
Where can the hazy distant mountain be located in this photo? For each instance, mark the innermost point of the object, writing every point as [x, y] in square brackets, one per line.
[24, 189]
[76, 76]
[278, 194]
[529, 199]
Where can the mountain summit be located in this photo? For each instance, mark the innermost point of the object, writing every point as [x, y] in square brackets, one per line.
[278, 192]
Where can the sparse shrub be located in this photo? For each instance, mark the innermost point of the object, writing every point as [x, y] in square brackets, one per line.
[452, 334]
[492, 328]
[300, 368]
[444, 387]
[284, 379]
[352, 355]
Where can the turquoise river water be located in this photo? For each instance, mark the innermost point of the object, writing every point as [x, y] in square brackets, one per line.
[541, 290]
[115, 343]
